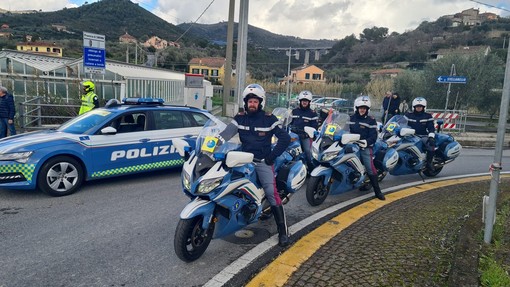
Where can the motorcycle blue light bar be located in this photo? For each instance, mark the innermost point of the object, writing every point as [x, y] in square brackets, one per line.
[141, 101]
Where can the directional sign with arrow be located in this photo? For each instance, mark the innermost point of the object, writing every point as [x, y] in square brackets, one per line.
[452, 79]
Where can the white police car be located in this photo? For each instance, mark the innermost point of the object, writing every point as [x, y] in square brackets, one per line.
[132, 137]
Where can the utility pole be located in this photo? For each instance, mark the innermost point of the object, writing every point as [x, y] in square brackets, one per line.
[242, 39]
[495, 168]
[288, 77]
[227, 78]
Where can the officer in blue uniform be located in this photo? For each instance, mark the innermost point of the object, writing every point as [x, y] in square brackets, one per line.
[366, 126]
[303, 116]
[256, 128]
[423, 124]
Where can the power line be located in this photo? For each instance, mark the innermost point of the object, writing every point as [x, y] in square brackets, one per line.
[191, 25]
[489, 5]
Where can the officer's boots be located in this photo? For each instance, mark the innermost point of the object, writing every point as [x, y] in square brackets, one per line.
[375, 185]
[283, 233]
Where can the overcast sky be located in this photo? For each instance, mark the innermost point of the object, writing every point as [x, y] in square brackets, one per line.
[317, 19]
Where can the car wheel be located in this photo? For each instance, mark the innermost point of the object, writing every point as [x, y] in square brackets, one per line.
[60, 176]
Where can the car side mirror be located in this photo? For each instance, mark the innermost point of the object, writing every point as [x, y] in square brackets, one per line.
[238, 158]
[108, 131]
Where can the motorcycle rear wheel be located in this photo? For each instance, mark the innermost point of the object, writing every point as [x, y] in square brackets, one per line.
[190, 239]
[316, 191]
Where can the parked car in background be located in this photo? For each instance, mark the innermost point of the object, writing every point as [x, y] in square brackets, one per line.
[122, 138]
[324, 102]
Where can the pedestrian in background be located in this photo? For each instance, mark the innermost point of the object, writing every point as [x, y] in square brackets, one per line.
[391, 106]
[7, 112]
[89, 99]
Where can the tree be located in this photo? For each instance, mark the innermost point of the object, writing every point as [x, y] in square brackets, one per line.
[374, 34]
[483, 73]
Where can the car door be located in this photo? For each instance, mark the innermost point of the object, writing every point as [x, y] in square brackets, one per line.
[168, 124]
[128, 150]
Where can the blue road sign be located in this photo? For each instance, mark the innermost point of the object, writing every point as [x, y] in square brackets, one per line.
[93, 57]
[452, 79]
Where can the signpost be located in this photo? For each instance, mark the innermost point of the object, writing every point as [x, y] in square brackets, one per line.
[94, 53]
[452, 79]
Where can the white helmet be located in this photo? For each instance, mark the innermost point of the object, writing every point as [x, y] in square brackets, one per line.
[254, 91]
[305, 95]
[362, 101]
[420, 101]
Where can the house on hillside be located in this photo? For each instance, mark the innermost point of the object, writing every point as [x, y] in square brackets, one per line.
[305, 74]
[385, 73]
[40, 48]
[462, 51]
[213, 68]
[126, 38]
[159, 43]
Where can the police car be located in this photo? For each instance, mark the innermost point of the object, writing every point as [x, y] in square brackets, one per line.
[122, 138]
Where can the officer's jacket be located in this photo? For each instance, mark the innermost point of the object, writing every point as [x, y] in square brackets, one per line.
[255, 132]
[422, 122]
[302, 118]
[365, 126]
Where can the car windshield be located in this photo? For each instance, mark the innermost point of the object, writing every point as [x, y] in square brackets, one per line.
[83, 123]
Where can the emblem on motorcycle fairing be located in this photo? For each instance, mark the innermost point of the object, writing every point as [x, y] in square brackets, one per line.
[330, 130]
[209, 144]
[236, 205]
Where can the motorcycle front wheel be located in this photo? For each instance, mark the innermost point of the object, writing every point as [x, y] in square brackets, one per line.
[316, 191]
[190, 239]
[432, 173]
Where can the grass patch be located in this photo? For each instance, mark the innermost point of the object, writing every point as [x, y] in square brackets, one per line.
[493, 272]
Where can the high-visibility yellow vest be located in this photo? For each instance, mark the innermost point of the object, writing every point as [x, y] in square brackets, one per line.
[87, 102]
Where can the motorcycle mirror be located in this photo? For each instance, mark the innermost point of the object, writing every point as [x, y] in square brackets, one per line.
[310, 131]
[180, 145]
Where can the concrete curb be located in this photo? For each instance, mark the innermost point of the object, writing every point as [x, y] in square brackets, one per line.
[223, 277]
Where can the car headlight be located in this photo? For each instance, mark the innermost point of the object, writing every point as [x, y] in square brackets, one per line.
[208, 185]
[186, 180]
[21, 157]
[315, 153]
[329, 156]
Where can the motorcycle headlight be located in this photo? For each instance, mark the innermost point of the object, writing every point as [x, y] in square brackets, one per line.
[315, 153]
[21, 157]
[329, 156]
[208, 185]
[186, 180]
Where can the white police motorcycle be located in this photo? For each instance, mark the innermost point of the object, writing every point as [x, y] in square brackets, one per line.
[225, 194]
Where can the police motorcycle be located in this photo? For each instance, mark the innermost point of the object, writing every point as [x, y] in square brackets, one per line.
[337, 154]
[222, 184]
[411, 149]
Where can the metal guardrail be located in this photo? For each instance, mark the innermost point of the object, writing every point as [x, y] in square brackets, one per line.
[36, 115]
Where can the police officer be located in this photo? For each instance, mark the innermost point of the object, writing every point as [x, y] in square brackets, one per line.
[303, 116]
[89, 99]
[366, 126]
[256, 128]
[423, 124]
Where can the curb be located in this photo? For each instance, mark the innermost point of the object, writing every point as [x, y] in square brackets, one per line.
[224, 276]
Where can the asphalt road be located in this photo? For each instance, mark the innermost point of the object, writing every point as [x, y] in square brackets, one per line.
[119, 232]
